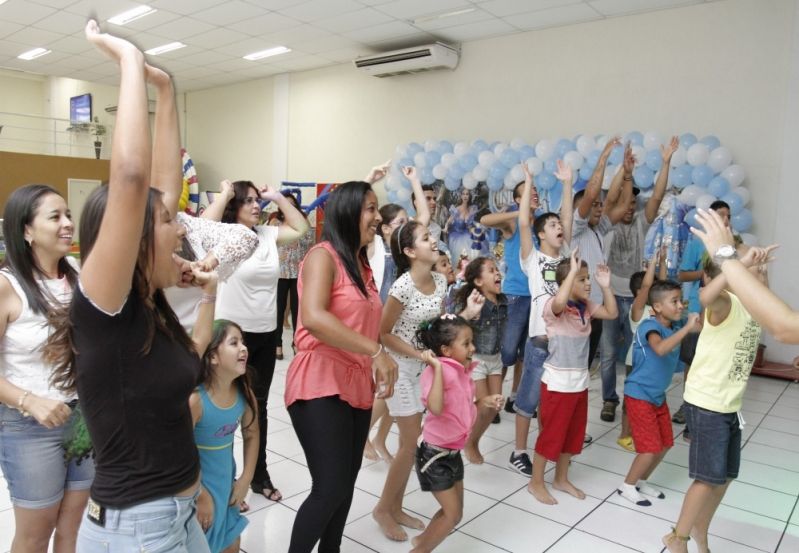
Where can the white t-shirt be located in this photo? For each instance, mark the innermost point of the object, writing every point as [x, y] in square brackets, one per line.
[249, 296]
[540, 271]
[377, 261]
[417, 307]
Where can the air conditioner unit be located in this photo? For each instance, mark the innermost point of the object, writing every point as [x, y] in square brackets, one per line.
[410, 60]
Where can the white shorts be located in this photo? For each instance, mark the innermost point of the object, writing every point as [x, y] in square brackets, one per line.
[487, 365]
[407, 398]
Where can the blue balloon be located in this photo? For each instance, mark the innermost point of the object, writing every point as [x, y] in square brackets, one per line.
[702, 175]
[551, 165]
[644, 177]
[433, 158]
[592, 159]
[468, 161]
[546, 181]
[635, 138]
[495, 184]
[414, 148]
[480, 145]
[741, 221]
[555, 195]
[404, 182]
[391, 196]
[451, 184]
[406, 162]
[680, 176]
[690, 218]
[735, 202]
[497, 171]
[445, 147]
[616, 155]
[509, 157]
[585, 172]
[687, 140]
[711, 142]
[563, 146]
[456, 171]
[426, 175]
[653, 160]
[719, 187]
[526, 152]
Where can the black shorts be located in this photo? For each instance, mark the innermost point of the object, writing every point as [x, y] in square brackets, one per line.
[443, 472]
[688, 348]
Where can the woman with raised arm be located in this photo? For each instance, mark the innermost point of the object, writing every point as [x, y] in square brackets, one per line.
[48, 494]
[124, 350]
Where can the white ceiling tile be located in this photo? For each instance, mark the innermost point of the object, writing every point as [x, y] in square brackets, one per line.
[305, 32]
[263, 70]
[348, 54]
[153, 20]
[73, 44]
[62, 22]
[197, 72]
[229, 12]
[24, 13]
[214, 38]
[554, 17]
[12, 49]
[184, 7]
[460, 19]
[107, 68]
[412, 9]
[247, 46]
[102, 10]
[34, 36]
[382, 32]
[182, 28]
[620, 7]
[353, 20]
[324, 44]
[205, 58]
[275, 5]
[230, 65]
[314, 10]
[303, 63]
[7, 28]
[265, 24]
[58, 4]
[170, 66]
[474, 31]
[512, 7]
[78, 62]
[374, 2]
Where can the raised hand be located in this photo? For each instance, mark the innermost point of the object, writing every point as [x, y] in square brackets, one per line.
[667, 151]
[714, 233]
[755, 256]
[629, 159]
[564, 172]
[474, 304]
[609, 145]
[269, 193]
[602, 276]
[410, 173]
[226, 190]
[574, 261]
[378, 172]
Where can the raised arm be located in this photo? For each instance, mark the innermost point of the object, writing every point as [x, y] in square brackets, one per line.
[637, 308]
[166, 173]
[565, 288]
[594, 187]
[294, 224]
[107, 271]
[377, 173]
[525, 233]
[653, 205]
[566, 176]
[215, 211]
[609, 309]
[628, 164]
[505, 221]
[435, 397]
[621, 189]
[204, 327]
[423, 214]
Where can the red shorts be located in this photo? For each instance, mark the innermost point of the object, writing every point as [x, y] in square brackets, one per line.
[563, 417]
[650, 425]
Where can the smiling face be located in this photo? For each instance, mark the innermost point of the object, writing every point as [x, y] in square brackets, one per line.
[462, 347]
[230, 358]
[249, 213]
[168, 241]
[444, 266]
[370, 218]
[51, 229]
[425, 249]
[581, 289]
[630, 213]
[490, 280]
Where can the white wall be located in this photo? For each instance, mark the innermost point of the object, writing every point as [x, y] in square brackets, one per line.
[21, 110]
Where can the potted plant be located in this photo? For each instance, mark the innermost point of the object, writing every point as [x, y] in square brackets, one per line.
[98, 131]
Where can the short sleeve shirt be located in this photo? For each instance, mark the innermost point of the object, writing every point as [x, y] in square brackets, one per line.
[417, 307]
[540, 271]
[566, 367]
[652, 373]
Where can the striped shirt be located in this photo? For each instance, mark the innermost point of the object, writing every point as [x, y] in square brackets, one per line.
[566, 368]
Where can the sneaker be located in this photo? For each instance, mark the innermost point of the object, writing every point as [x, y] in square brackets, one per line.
[496, 420]
[521, 463]
[509, 407]
[626, 443]
[587, 439]
[679, 415]
[608, 413]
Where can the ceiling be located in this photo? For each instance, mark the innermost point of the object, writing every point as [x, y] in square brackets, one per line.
[319, 32]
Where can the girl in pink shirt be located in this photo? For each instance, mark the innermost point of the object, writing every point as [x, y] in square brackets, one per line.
[448, 394]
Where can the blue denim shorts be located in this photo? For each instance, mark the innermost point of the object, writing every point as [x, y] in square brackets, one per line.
[515, 334]
[167, 525]
[715, 452]
[529, 392]
[32, 460]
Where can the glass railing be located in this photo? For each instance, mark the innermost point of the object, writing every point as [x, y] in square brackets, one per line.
[36, 134]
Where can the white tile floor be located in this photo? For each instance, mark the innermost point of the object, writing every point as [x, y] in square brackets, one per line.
[759, 513]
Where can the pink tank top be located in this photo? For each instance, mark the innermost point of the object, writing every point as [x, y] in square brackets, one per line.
[322, 370]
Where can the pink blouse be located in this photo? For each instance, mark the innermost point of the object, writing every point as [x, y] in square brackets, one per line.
[322, 370]
[451, 428]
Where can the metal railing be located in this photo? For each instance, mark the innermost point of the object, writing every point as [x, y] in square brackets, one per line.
[37, 134]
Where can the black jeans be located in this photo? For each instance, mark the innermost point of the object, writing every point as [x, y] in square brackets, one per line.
[332, 434]
[261, 349]
[593, 345]
[286, 290]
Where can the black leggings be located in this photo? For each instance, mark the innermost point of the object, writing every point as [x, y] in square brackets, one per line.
[286, 290]
[261, 350]
[332, 434]
[593, 345]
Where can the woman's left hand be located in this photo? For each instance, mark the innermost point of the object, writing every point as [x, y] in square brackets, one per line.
[385, 374]
[239, 491]
[270, 193]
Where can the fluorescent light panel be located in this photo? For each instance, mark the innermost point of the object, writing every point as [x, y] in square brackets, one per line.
[165, 48]
[33, 54]
[132, 15]
[267, 53]
[426, 18]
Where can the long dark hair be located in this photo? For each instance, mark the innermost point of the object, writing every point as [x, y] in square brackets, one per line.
[280, 216]
[343, 230]
[470, 274]
[388, 213]
[403, 238]
[158, 313]
[244, 382]
[240, 189]
[20, 210]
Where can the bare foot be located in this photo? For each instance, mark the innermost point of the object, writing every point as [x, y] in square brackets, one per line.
[389, 526]
[473, 454]
[674, 544]
[112, 46]
[408, 521]
[541, 493]
[369, 452]
[569, 488]
[383, 451]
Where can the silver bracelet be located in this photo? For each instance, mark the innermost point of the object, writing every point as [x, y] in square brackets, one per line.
[378, 352]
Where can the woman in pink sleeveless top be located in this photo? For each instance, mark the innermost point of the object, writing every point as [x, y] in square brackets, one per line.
[329, 385]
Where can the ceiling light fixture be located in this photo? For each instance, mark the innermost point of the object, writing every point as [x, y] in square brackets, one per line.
[427, 18]
[158, 50]
[276, 51]
[33, 54]
[132, 15]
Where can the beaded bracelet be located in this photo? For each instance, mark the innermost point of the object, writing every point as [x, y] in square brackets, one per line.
[208, 298]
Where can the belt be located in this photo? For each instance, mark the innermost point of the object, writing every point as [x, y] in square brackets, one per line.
[441, 453]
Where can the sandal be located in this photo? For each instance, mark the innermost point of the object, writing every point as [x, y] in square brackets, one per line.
[668, 538]
[266, 488]
[244, 506]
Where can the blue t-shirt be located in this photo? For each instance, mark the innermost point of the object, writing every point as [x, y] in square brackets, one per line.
[515, 281]
[651, 373]
[692, 261]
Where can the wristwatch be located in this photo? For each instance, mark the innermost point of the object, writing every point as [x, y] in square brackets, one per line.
[724, 253]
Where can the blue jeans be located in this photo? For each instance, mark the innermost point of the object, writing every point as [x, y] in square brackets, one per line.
[515, 335]
[715, 452]
[529, 392]
[166, 525]
[611, 346]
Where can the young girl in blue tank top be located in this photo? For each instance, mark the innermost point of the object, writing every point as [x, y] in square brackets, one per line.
[220, 403]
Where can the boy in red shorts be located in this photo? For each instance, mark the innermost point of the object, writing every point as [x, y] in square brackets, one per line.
[655, 358]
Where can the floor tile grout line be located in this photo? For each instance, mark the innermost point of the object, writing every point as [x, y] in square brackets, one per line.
[787, 524]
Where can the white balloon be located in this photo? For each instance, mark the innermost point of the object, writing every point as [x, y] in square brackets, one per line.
[679, 157]
[420, 160]
[743, 193]
[719, 159]
[606, 181]
[544, 149]
[601, 141]
[734, 174]
[403, 194]
[499, 148]
[517, 173]
[698, 154]
[704, 201]
[510, 182]
[439, 171]
[486, 159]
[480, 173]
[639, 153]
[448, 159]
[392, 182]
[517, 143]
[585, 145]
[430, 145]
[574, 160]
[749, 239]
[535, 165]
[690, 194]
[400, 151]
[469, 181]
[461, 148]
[652, 140]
